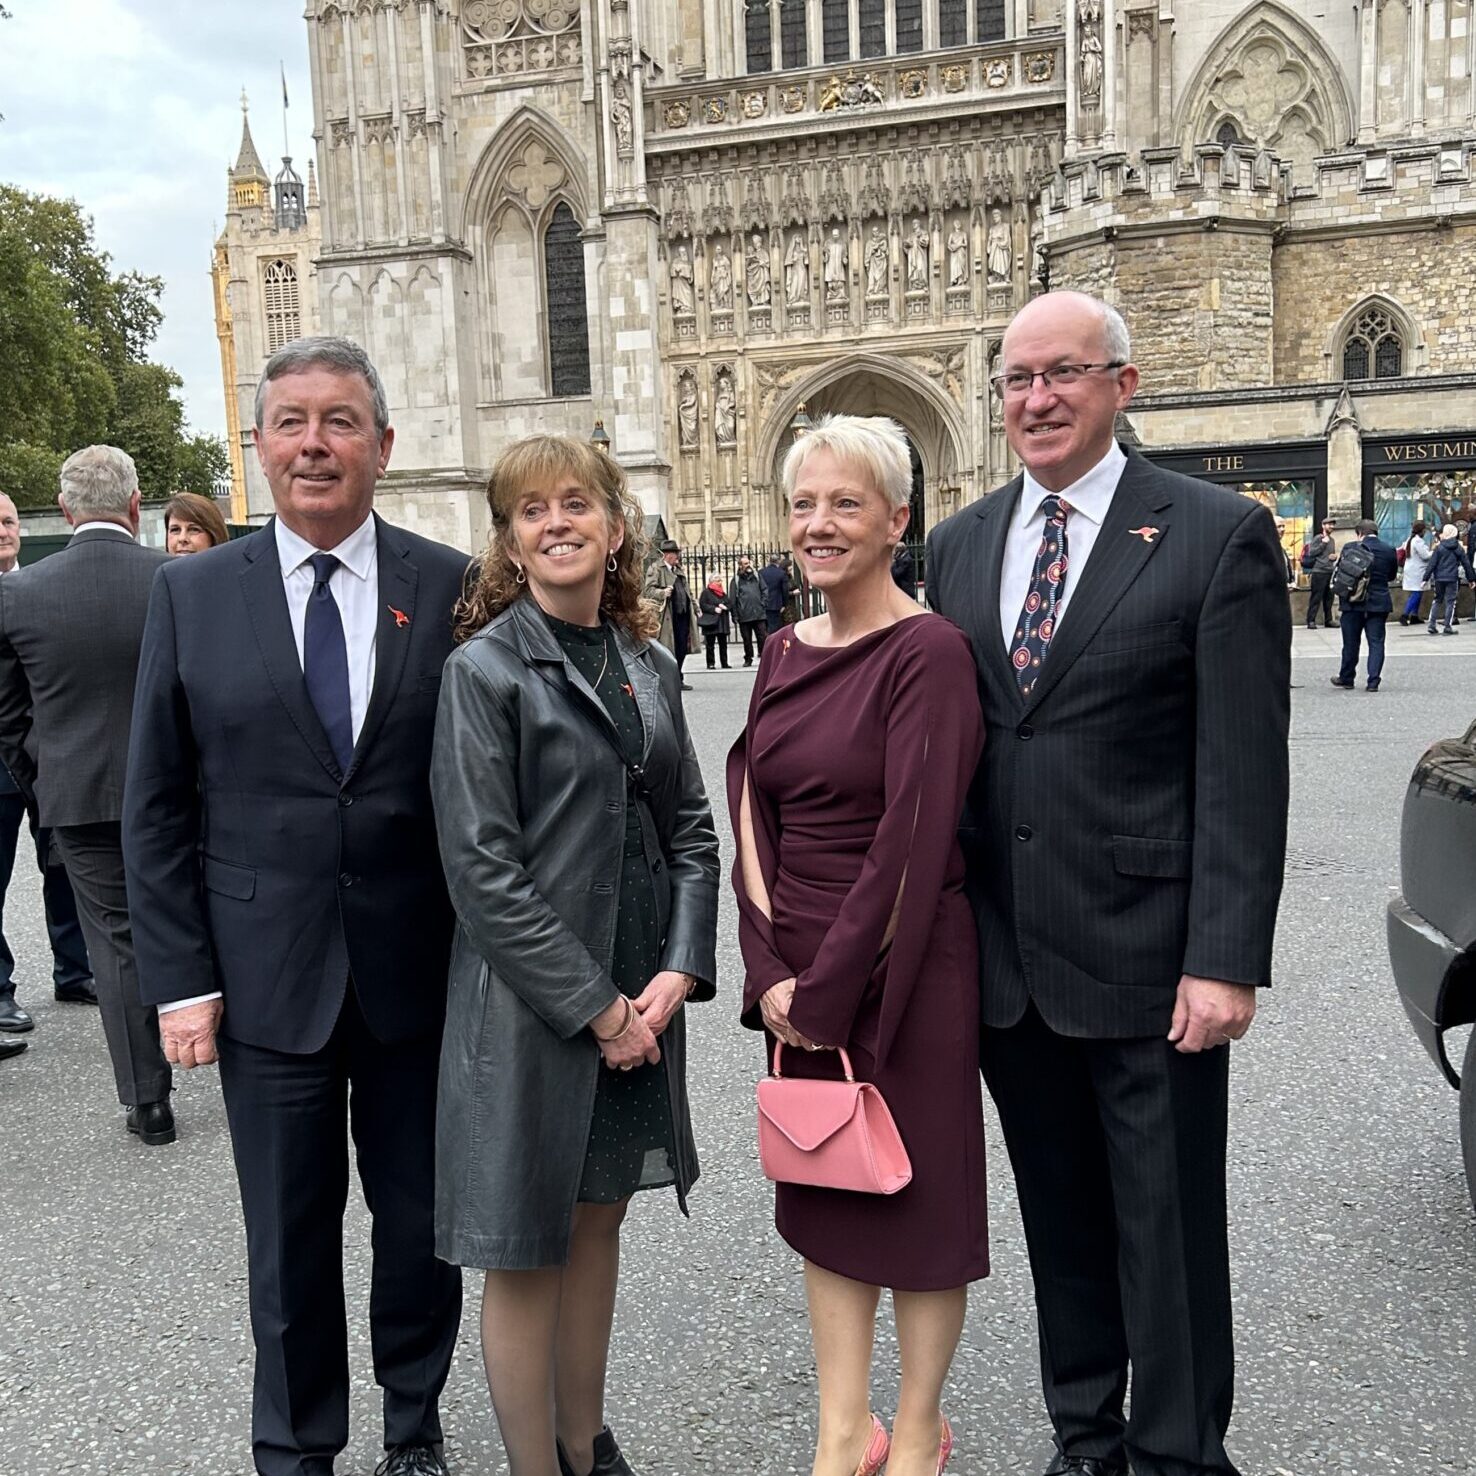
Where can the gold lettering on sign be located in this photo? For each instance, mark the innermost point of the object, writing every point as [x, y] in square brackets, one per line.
[1224, 463]
[1432, 451]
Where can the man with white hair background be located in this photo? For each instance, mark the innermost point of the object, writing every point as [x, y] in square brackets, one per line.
[70, 631]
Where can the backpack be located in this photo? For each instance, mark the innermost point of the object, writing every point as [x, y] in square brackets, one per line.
[1351, 576]
[1308, 558]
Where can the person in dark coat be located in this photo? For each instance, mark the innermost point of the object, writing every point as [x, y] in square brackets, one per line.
[862, 734]
[748, 609]
[1125, 837]
[904, 569]
[713, 617]
[1448, 561]
[1319, 560]
[776, 582]
[580, 852]
[1369, 616]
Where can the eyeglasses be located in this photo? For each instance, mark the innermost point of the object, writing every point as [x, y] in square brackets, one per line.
[1017, 382]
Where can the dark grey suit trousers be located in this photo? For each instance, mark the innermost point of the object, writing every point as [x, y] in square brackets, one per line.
[93, 855]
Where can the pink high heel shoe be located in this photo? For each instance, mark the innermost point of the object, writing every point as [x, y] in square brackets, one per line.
[878, 1448]
[945, 1445]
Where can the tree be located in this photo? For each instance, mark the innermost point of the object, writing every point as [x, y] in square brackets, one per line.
[74, 340]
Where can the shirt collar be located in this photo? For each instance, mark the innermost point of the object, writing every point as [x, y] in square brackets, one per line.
[1090, 496]
[107, 527]
[356, 553]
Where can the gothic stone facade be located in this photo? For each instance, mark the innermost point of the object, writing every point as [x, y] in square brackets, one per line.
[692, 219]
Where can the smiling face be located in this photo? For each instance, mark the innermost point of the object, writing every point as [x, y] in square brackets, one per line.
[1061, 433]
[841, 527]
[321, 452]
[185, 537]
[561, 537]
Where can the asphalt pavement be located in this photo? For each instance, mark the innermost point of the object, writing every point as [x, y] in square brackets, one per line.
[124, 1345]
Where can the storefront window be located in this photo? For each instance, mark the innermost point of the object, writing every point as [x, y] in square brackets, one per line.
[1436, 497]
[1291, 500]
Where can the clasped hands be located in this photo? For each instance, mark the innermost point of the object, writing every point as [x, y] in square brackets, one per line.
[188, 1035]
[627, 1030]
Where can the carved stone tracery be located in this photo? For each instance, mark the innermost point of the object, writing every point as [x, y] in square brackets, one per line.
[510, 37]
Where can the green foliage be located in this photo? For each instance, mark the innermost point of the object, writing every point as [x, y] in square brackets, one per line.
[202, 461]
[29, 474]
[74, 339]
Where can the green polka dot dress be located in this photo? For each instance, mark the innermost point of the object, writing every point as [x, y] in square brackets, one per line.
[630, 1137]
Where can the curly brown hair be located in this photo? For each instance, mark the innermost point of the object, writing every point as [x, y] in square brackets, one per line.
[536, 462]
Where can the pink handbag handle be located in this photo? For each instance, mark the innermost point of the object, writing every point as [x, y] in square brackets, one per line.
[845, 1062]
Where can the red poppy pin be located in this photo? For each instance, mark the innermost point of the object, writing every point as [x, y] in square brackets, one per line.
[401, 618]
[627, 689]
[1146, 533]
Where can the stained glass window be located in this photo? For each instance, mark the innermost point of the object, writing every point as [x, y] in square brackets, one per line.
[283, 311]
[792, 33]
[568, 325]
[953, 22]
[758, 32]
[909, 25]
[1374, 348]
[989, 20]
[873, 27]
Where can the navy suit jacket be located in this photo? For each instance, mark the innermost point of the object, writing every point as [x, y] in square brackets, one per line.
[1127, 822]
[254, 865]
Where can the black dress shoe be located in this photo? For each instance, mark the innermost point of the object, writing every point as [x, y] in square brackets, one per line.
[1065, 1465]
[412, 1460]
[12, 1017]
[608, 1460]
[82, 992]
[153, 1122]
[9, 1048]
[1339, 682]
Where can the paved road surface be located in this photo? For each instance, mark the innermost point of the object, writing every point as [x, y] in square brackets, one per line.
[123, 1338]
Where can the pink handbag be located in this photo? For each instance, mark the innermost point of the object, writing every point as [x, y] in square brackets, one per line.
[831, 1134]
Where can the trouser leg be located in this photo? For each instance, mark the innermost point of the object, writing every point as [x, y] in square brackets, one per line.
[681, 632]
[414, 1299]
[773, 619]
[288, 1133]
[1164, 1119]
[1375, 628]
[1352, 623]
[710, 639]
[94, 861]
[722, 645]
[1041, 1085]
[12, 811]
[69, 962]
[748, 630]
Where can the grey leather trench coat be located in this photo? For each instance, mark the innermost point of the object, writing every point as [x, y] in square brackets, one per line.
[530, 798]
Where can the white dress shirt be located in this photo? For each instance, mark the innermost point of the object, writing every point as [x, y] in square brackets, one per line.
[354, 586]
[1088, 500]
[107, 527]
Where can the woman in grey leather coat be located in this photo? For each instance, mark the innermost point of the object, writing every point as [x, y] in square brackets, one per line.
[582, 862]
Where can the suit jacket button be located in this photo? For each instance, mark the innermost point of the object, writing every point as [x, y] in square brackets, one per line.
[345, 800]
[1023, 832]
[346, 879]
[1025, 731]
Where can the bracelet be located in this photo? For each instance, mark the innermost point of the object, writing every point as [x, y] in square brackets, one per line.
[630, 1019]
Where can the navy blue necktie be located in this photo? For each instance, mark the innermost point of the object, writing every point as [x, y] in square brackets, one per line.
[325, 661]
[1043, 599]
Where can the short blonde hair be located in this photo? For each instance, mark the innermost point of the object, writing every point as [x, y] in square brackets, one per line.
[99, 479]
[871, 444]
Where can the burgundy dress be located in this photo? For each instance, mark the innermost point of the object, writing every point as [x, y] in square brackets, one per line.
[857, 760]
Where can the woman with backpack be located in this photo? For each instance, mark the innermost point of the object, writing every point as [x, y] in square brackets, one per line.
[1416, 562]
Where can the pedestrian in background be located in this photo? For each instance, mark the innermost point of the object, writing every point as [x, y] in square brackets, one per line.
[1361, 581]
[192, 524]
[712, 606]
[1448, 562]
[904, 569]
[748, 609]
[1286, 558]
[1319, 559]
[666, 586]
[775, 579]
[70, 631]
[862, 734]
[71, 973]
[582, 860]
[292, 917]
[1415, 572]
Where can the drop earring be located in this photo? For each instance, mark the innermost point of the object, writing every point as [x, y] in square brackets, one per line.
[612, 566]
[522, 578]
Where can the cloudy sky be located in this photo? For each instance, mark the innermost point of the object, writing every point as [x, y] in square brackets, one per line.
[132, 108]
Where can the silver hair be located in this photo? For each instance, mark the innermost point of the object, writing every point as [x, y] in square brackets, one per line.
[99, 479]
[871, 444]
[341, 355]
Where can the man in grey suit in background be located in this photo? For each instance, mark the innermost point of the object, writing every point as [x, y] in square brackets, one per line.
[70, 631]
[1124, 837]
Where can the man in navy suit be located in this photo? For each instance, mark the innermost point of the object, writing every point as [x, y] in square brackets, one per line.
[291, 916]
[1124, 839]
[1368, 617]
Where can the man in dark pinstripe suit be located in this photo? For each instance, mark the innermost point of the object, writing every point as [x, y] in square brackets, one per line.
[1125, 835]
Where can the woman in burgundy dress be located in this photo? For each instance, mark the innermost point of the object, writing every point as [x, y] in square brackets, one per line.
[863, 732]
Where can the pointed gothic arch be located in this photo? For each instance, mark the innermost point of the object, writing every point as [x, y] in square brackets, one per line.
[1393, 321]
[1270, 74]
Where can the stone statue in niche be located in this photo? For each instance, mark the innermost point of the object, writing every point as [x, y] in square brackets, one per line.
[1089, 23]
[620, 116]
[687, 412]
[917, 258]
[999, 255]
[996, 403]
[958, 255]
[683, 297]
[760, 291]
[1037, 250]
[725, 412]
[721, 281]
[797, 271]
[836, 255]
[876, 263]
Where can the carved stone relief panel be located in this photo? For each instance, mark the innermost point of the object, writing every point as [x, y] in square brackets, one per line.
[502, 38]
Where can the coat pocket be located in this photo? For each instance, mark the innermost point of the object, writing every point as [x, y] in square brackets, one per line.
[1115, 639]
[1141, 855]
[230, 880]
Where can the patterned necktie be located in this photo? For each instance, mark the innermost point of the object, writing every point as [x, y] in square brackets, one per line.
[325, 661]
[1037, 622]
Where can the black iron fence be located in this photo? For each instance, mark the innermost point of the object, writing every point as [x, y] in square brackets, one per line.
[701, 561]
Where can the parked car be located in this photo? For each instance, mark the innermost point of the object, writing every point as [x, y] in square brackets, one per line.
[1432, 926]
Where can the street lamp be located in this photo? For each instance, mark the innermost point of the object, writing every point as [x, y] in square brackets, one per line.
[597, 437]
[801, 424]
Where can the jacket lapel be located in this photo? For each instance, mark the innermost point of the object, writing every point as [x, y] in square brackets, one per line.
[644, 682]
[1118, 556]
[994, 513]
[546, 655]
[398, 581]
[266, 604]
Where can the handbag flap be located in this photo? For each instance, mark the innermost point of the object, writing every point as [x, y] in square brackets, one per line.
[806, 1111]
